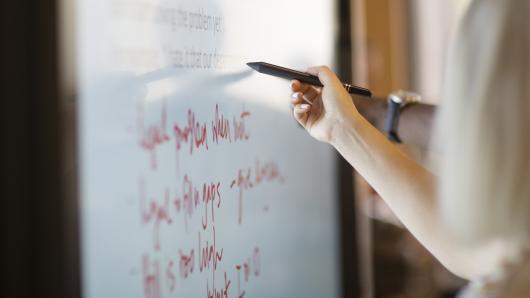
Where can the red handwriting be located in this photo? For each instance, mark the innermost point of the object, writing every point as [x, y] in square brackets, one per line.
[240, 131]
[210, 192]
[152, 136]
[256, 261]
[247, 179]
[268, 171]
[186, 268]
[220, 127]
[189, 201]
[239, 293]
[151, 278]
[218, 293]
[151, 211]
[243, 182]
[171, 280]
[186, 264]
[193, 133]
[252, 265]
[209, 255]
[154, 212]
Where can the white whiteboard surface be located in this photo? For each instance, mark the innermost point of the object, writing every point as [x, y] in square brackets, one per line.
[195, 180]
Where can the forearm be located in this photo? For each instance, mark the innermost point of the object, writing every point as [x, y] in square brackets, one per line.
[407, 187]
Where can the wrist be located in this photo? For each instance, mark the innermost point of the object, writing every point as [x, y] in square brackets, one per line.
[347, 125]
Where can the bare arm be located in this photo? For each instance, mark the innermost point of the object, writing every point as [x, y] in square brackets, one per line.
[407, 187]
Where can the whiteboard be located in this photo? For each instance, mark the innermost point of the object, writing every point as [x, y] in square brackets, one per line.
[195, 180]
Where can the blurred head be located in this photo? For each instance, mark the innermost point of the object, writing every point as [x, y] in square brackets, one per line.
[484, 125]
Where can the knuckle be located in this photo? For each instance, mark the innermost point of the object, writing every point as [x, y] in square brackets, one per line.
[325, 68]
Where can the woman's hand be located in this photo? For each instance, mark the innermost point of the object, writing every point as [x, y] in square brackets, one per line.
[321, 111]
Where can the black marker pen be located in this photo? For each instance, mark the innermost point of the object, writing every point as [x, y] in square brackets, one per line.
[303, 77]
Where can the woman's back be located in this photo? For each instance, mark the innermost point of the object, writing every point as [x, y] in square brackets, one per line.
[484, 134]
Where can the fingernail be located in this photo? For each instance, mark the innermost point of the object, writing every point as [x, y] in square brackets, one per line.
[304, 106]
[295, 95]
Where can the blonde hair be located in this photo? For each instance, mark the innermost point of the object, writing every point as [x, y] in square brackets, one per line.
[483, 127]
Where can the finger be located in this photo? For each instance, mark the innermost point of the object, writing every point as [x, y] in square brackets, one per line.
[301, 112]
[305, 87]
[325, 74]
[308, 95]
[296, 86]
[311, 94]
[297, 98]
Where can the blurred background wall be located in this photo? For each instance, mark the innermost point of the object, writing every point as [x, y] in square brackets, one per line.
[401, 44]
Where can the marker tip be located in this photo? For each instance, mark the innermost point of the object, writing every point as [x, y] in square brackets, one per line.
[253, 65]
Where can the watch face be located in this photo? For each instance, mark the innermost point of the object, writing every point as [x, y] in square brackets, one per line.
[404, 97]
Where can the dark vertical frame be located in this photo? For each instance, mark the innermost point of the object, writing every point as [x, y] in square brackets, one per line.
[348, 233]
[39, 258]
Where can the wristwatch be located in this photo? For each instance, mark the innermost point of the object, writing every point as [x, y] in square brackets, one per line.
[397, 101]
